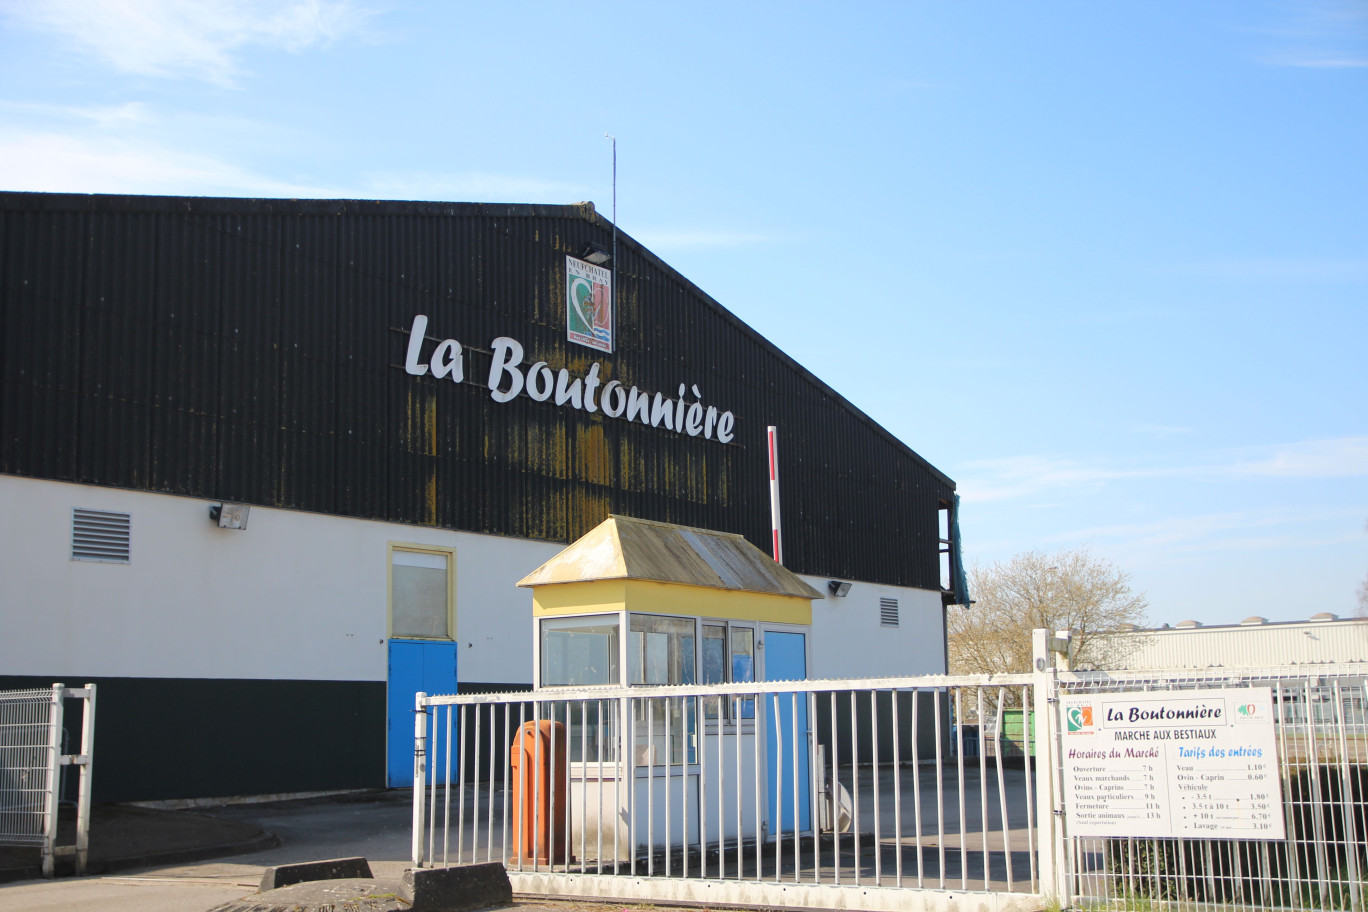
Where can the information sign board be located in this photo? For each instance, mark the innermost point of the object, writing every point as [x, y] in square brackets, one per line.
[1173, 763]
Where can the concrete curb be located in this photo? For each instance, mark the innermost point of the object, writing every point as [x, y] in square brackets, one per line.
[317, 887]
[473, 886]
[277, 876]
[267, 840]
[350, 893]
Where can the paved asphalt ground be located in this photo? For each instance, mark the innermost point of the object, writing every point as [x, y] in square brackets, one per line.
[142, 858]
[192, 861]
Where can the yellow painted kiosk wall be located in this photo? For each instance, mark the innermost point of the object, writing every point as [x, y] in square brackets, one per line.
[602, 596]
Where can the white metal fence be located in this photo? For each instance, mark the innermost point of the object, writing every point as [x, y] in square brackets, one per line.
[32, 757]
[902, 793]
[812, 793]
[1322, 741]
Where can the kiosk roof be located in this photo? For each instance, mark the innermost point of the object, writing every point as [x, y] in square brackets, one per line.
[621, 547]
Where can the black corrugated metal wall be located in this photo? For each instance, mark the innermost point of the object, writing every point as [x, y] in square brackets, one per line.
[253, 351]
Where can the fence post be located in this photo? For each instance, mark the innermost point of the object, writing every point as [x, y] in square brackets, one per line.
[87, 762]
[1042, 665]
[419, 773]
[54, 759]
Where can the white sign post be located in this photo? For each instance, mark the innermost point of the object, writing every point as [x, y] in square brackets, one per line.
[1201, 763]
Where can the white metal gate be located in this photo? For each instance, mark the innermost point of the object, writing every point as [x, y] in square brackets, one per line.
[871, 794]
[921, 793]
[31, 760]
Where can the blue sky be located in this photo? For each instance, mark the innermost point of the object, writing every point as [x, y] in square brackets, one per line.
[1104, 264]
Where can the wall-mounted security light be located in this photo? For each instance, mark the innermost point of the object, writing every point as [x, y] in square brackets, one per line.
[838, 588]
[595, 253]
[229, 515]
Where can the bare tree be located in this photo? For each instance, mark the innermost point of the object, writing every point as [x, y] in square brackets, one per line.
[1363, 597]
[1069, 589]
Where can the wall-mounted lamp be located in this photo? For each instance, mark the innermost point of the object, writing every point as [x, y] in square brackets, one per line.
[229, 515]
[838, 588]
[595, 253]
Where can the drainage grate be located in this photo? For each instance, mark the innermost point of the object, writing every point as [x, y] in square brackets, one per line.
[888, 612]
[97, 535]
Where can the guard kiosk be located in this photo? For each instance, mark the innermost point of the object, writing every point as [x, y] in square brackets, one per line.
[636, 603]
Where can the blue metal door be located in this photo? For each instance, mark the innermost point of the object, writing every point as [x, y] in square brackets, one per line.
[786, 660]
[415, 665]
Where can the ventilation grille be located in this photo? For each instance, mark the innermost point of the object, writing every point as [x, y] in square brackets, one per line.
[99, 536]
[888, 612]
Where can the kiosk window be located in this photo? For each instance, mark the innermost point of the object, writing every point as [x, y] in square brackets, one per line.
[723, 664]
[579, 651]
[660, 650]
[714, 653]
[742, 654]
[421, 603]
[743, 667]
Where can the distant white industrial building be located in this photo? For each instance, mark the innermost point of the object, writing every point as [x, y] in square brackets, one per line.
[1323, 639]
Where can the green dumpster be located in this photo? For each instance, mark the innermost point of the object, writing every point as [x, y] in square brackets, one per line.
[1016, 740]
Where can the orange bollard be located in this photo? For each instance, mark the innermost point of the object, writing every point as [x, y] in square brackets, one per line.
[540, 769]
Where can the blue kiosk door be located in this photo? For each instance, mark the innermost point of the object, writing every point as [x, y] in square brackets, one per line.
[415, 665]
[786, 660]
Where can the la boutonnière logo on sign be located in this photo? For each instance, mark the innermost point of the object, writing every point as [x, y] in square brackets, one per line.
[1080, 719]
[588, 304]
[588, 321]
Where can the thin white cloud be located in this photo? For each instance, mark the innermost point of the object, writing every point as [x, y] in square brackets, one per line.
[1161, 431]
[1319, 34]
[201, 39]
[1345, 457]
[1275, 529]
[56, 162]
[134, 148]
[1105, 316]
[473, 186]
[893, 87]
[701, 238]
[1298, 269]
[96, 116]
[1016, 477]
[132, 153]
[1178, 539]
[1173, 529]
[1316, 62]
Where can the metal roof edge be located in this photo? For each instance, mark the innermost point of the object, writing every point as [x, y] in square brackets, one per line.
[35, 201]
[1217, 628]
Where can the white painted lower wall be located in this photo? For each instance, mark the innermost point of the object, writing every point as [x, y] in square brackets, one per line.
[848, 640]
[295, 595]
[302, 596]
